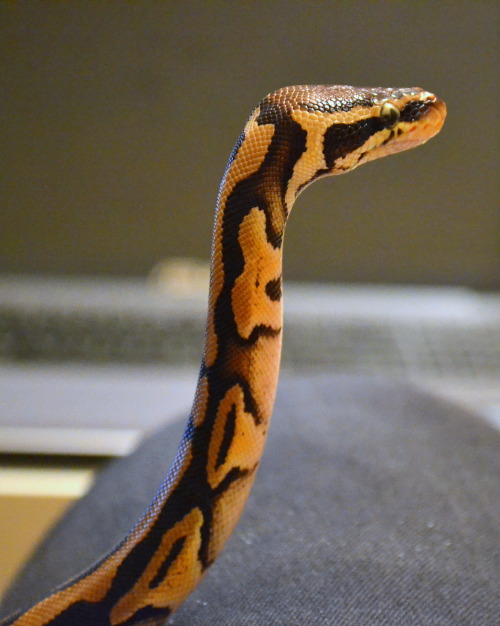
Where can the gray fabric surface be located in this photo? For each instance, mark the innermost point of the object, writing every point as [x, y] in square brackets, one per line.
[374, 504]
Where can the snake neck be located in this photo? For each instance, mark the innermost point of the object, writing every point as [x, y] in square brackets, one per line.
[243, 338]
[239, 372]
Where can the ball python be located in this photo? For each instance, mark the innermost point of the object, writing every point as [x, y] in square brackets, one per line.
[295, 136]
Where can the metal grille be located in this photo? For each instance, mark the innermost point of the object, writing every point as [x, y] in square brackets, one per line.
[439, 348]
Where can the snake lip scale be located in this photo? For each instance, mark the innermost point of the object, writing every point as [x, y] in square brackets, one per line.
[295, 136]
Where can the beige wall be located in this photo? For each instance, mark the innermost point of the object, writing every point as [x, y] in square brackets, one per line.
[117, 120]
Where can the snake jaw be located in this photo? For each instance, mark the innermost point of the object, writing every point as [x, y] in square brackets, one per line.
[435, 119]
[410, 133]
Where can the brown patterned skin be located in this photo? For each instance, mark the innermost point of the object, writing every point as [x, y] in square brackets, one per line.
[295, 135]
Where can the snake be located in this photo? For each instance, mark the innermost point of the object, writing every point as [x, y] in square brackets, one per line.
[296, 135]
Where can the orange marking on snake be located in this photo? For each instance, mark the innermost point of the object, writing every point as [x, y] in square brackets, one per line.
[247, 161]
[251, 305]
[177, 580]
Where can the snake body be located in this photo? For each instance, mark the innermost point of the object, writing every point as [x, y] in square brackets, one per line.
[293, 137]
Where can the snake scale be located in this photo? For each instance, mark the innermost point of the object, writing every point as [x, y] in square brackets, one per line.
[293, 137]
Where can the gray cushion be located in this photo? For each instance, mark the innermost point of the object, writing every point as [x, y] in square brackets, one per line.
[375, 503]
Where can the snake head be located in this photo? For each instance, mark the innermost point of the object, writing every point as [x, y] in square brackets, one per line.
[320, 130]
[399, 119]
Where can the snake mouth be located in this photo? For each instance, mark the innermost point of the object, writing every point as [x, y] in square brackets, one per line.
[410, 133]
[429, 124]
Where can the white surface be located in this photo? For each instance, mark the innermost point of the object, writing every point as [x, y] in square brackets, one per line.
[99, 295]
[385, 302]
[45, 482]
[106, 410]
[88, 410]
[72, 441]
[132, 295]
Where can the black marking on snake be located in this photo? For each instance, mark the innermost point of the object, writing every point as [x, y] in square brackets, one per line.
[273, 289]
[414, 110]
[175, 550]
[342, 139]
[234, 474]
[249, 403]
[262, 330]
[82, 613]
[249, 193]
[317, 174]
[229, 429]
[147, 613]
[391, 136]
[287, 146]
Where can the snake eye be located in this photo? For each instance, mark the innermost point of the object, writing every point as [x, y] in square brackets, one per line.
[389, 114]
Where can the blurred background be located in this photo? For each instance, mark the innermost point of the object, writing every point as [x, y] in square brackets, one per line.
[117, 120]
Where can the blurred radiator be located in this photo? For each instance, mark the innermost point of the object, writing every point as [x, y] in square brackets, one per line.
[127, 342]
